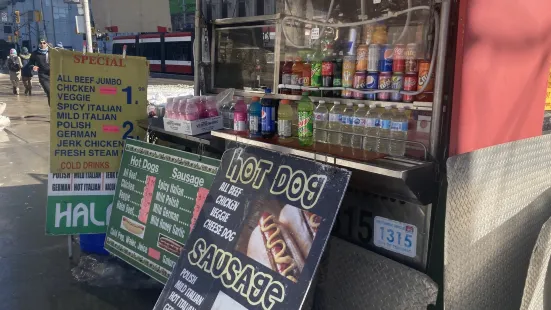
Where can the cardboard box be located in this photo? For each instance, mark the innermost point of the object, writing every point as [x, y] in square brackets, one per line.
[193, 128]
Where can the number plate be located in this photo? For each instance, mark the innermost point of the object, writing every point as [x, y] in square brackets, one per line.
[395, 236]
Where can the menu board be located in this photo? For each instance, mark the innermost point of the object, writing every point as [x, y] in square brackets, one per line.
[260, 234]
[159, 193]
[79, 202]
[96, 100]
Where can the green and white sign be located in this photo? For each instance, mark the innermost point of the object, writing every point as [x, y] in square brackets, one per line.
[159, 193]
[78, 203]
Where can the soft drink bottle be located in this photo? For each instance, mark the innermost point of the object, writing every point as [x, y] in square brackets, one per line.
[346, 120]
[255, 114]
[225, 110]
[371, 129]
[268, 115]
[191, 111]
[169, 113]
[398, 130]
[321, 117]
[240, 116]
[284, 120]
[305, 120]
[307, 71]
[383, 145]
[202, 106]
[358, 127]
[212, 110]
[334, 124]
[296, 76]
[181, 108]
[231, 111]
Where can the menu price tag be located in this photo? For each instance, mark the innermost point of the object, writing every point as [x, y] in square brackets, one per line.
[260, 234]
[159, 190]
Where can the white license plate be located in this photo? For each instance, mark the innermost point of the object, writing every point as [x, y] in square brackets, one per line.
[395, 236]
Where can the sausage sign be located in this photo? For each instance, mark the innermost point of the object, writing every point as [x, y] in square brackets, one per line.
[260, 234]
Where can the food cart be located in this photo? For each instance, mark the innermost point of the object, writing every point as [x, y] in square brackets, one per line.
[468, 234]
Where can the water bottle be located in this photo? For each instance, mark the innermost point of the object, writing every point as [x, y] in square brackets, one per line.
[334, 124]
[240, 116]
[398, 130]
[212, 110]
[346, 120]
[358, 127]
[255, 114]
[225, 110]
[321, 117]
[180, 108]
[191, 110]
[383, 145]
[371, 129]
[231, 111]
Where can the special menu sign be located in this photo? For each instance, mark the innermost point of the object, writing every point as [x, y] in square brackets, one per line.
[159, 193]
[260, 234]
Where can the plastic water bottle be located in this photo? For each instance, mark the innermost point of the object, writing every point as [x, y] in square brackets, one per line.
[191, 111]
[383, 145]
[334, 124]
[225, 110]
[398, 130]
[240, 116]
[371, 129]
[358, 126]
[212, 110]
[255, 115]
[321, 117]
[284, 120]
[346, 120]
[169, 113]
[181, 108]
[230, 114]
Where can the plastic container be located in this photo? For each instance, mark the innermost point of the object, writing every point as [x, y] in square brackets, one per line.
[211, 109]
[191, 110]
[358, 126]
[255, 114]
[334, 124]
[240, 116]
[346, 120]
[383, 145]
[321, 117]
[398, 130]
[305, 120]
[371, 129]
[284, 120]
[268, 115]
[93, 243]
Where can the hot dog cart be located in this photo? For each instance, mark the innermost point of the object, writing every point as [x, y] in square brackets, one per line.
[467, 207]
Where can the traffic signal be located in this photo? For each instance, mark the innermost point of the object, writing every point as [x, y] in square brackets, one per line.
[17, 17]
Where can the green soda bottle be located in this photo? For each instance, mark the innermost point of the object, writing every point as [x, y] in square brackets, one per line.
[305, 120]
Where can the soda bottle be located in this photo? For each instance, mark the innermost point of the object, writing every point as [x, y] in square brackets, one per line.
[268, 128]
[398, 130]
[230, 113]
[337, 75]
[334, 124]
[371, 129]
[255, 114]
[212, 110]
[346, 120]
[191, 111]
[358, 128]
[316, 79]
[383, 145]
[284, 120]
[287, 70]
[240, 116]
[296, 69]
[305, 120]
[306, 71]
[327, 75]
[321, 117]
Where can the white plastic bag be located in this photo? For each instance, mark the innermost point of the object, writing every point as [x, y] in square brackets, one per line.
[4, 120]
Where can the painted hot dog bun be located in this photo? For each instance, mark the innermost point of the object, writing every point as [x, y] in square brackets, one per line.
[295, 223]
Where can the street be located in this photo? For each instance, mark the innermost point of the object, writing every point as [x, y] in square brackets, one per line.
[35, 271]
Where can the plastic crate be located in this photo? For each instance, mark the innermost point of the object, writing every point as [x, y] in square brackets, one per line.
[93, 243]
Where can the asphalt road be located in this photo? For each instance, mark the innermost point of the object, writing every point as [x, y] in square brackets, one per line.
[35, 271]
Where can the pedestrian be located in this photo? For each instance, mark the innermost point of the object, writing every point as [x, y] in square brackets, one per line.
[14, 66]
[40, 61]
[26, 71]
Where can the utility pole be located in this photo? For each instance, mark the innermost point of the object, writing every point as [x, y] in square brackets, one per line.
[87, 25]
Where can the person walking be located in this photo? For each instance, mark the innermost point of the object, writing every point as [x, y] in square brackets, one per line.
[40, 61]
[26, 71]
[14, 66]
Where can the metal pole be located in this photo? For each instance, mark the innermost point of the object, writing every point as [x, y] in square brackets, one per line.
[87, 25]
[437, 107]
[53, 22]
[198, 44]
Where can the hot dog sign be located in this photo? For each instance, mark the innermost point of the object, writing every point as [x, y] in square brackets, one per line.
[260, 234]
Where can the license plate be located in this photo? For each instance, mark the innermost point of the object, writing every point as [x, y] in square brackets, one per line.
[395, 236]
